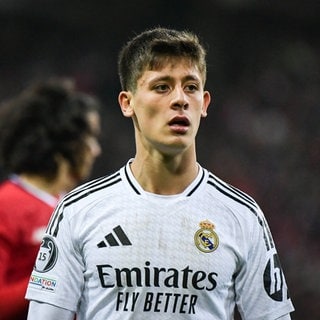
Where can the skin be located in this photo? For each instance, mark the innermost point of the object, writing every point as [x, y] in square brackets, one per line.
[93, 146]
[166, 109]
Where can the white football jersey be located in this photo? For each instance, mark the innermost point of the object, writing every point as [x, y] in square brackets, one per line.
[114, 251]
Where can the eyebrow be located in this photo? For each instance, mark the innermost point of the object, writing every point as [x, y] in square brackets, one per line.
[169, 78]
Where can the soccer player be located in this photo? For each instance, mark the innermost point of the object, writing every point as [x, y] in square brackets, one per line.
[162, 238]
[48, 144]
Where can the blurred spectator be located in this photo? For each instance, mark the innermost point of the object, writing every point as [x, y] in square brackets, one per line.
[48, 144]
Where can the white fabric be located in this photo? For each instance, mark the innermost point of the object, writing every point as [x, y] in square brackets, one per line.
[39, 310]
[127, 254]
[286, 317]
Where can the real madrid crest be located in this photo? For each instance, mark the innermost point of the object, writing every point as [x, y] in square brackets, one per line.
[205, 239]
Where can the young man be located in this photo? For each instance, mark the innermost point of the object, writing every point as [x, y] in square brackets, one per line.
[162, 238]
[48, 143]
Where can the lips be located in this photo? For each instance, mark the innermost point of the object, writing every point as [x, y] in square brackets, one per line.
[179, 121]
[179, 124]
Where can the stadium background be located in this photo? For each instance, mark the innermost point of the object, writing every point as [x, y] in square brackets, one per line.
[262, 133]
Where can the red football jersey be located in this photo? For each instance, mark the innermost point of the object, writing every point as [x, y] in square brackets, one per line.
[24, 214]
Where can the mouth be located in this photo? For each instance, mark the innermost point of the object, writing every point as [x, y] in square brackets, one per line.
[179, 124]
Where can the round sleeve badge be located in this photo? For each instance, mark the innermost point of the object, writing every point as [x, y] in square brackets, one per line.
[47, 256]
[206, 239]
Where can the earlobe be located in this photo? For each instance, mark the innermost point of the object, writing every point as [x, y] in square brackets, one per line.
[206, 102]
[124, 100]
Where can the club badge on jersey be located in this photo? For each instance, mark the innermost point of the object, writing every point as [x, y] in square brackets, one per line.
[206, 239]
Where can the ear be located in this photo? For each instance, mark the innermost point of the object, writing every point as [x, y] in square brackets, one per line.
[125, 102]
[206, 102]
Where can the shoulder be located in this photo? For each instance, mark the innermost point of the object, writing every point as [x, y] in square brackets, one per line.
[8, 188]
[13, 196]
[242, 207]
[237, 202]
[76, 204]
[231, 194]
[92, 190]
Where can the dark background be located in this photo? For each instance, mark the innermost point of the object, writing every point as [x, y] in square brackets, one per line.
[262, 133]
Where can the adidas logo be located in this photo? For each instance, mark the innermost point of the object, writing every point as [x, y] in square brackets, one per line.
[115, 239]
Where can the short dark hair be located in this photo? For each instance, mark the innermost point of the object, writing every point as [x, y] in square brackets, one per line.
[47, 119]
[151, 48]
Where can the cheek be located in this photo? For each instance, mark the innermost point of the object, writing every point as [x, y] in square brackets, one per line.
[147, 116]
[88, 160]
[152, 114]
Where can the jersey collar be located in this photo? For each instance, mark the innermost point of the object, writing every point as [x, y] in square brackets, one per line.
[36, 192]
[135, 186]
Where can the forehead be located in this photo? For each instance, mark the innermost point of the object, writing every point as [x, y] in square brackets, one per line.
[171, 68]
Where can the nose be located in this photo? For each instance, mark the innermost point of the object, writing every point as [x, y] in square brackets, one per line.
[179, 99]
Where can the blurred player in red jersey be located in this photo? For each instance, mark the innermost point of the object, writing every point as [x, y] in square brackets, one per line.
[48, 144]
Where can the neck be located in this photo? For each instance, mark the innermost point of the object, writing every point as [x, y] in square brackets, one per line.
[39, 182]
[62, 183]
[165, 175]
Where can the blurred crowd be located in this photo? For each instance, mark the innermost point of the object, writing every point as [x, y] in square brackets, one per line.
[270, 147]
[262, 133]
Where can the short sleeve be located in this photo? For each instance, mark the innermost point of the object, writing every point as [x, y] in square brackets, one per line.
[57, 277]
[261, 289]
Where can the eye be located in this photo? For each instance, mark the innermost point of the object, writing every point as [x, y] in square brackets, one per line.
[191, 87]
[161, 88]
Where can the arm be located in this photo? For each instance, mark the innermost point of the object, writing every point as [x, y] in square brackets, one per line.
[62, 265]
[261, 277]
[12, 302]
[38, 310]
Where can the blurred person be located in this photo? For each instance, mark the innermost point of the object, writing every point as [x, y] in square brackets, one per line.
[162, 238]
[48, 144]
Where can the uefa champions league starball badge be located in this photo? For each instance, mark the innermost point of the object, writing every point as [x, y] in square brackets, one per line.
[206, 239]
